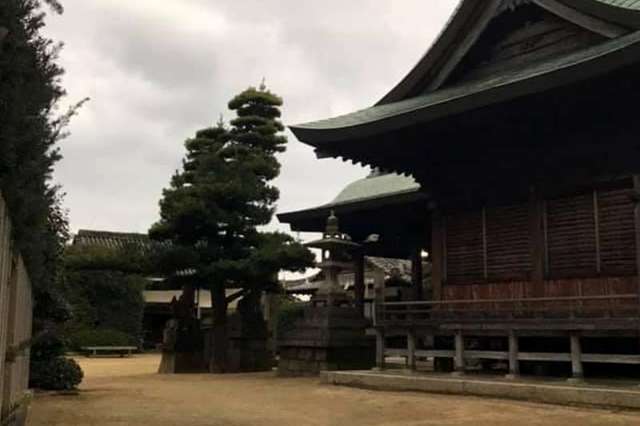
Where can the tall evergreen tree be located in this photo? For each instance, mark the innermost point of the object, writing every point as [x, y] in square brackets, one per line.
[30, 128]
[214, 207]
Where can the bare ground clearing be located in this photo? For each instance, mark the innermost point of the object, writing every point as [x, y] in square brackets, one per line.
[127, 391]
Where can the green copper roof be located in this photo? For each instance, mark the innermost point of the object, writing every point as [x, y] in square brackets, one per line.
[376, 186]
[507, 85]
[626, 4]
[368, 193]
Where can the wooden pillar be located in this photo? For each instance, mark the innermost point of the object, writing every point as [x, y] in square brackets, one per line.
[437, 255]
[359, 283]
[380, 348]
[536, 213]
[416, 272]
[636, 214]
[577, 371]
[514, 364]
[411, 350]
[459, 357]
[379, 295]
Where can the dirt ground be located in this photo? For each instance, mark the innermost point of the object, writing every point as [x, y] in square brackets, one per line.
[127, 391]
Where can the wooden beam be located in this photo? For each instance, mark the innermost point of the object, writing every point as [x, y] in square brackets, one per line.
[437, 255]
[537, 247]
[577, 369]
[416, 272]
[459, 358]
[482, 20]
[588, 22]
[514, 364]
[485, 260]
[380, 349]
[359, 284]
[636, 215]
[411, 350]
[596, 220]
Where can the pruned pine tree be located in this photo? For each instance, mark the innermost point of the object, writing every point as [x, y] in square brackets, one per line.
[215, 205]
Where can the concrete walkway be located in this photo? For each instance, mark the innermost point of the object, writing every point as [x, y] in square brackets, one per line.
[623, 395]
[119, 392]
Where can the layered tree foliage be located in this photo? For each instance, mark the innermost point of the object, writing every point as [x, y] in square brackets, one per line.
[30, 127]
[216, 204]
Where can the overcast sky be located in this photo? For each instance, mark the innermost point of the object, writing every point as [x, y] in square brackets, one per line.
[156, 71]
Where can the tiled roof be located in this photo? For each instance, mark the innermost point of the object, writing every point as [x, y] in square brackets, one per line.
[392, 266]
[203, 297]
[389, 266]
[107, 239]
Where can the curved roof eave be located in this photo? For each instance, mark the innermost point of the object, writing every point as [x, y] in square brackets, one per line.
[400, 197]
[581, 65]
[423, 71]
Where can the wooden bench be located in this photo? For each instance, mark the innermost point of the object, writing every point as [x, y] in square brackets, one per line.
[120, 350]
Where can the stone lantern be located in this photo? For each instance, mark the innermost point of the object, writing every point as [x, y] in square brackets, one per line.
[331, 335]
[337, 256]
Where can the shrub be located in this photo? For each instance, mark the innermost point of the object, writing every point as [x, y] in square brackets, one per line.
[98, 337]
[47, 347]
[55, 374]
[107, 300]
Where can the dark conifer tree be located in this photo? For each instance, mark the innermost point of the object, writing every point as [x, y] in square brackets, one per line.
[215, 205]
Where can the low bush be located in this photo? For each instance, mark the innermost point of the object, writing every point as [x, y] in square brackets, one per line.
[98, 337]
[55, 374]
[47, 346]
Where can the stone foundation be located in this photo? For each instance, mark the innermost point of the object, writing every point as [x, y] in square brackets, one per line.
[248, 349]
[327, 338]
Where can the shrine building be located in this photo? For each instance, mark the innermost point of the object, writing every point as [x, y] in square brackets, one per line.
[520, 127]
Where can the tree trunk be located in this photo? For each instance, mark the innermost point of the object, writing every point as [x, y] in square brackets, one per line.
[220, 337]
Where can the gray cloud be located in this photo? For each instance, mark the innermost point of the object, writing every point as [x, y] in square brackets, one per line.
[158, 71]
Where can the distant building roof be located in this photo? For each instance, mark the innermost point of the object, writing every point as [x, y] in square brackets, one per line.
[203, 297]
[108, 239]
[392, 267]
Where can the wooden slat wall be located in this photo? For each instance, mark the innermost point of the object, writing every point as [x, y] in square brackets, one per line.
[617, 231]
[604, 286]
[5, 271]
[465, 248]
[589, 243]
[508, 243]
[16, 310]
[571, 236]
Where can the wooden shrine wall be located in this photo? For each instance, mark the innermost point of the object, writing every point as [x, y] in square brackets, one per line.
[16, 310]
[587, 239]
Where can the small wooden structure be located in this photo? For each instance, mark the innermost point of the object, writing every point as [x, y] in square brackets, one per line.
[16, 311]
[520, 126]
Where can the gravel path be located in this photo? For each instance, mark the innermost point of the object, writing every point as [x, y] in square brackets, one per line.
[118, 392]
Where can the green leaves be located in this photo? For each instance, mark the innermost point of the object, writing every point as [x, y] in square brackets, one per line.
[213, 209]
